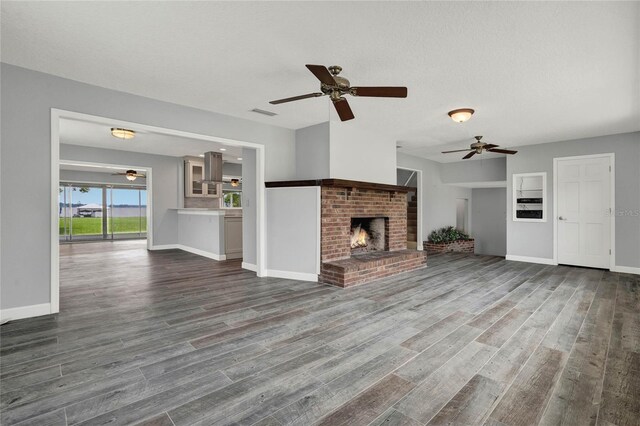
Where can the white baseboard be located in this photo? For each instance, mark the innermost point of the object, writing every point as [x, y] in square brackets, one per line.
[542, 260]
[199, 252]
[165, 247]
[203, 253]
[25, 312]
[626, 269]
[250, 266]
[300, 276]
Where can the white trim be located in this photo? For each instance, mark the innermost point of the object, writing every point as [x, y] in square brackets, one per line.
[318, 229]
[300, 276]
[626, 269]
[54, 288]
[419, 240]
[57, 114]
[514, 198]
[193, 250]
[164, 247]
[261, 212]
[528, 259]
[612, 204]
[21, 312]
[203, 253]
[250, 266]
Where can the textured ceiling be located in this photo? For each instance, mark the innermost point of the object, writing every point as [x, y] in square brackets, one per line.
[534, 71]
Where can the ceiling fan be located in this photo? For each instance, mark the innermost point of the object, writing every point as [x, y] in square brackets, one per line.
[336, 87]
[478, 146]
[130, 174]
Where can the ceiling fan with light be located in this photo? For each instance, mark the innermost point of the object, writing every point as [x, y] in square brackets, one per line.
[130, 175]
[478, 147]
[336, 87]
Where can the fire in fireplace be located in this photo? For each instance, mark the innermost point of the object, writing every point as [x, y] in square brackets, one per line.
[368, 234]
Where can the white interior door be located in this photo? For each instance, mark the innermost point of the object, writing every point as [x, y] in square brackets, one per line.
[583, 221]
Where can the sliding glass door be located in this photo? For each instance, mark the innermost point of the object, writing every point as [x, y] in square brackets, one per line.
[127, 213]
[101, 212]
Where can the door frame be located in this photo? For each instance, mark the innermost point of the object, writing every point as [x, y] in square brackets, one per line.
[612, 203]
[57, 114]
[149, 176]
[419, 241]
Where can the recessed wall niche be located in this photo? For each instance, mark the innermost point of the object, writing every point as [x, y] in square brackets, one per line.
[529, 197]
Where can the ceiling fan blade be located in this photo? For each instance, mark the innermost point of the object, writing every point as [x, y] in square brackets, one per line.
[457, 150]
[380, 92]
[296, 98]
[469, 155]
[502, 151]
[322, 73]
[343, 109]
[490, 146]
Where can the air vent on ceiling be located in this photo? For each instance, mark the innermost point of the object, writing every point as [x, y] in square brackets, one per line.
[263, 112]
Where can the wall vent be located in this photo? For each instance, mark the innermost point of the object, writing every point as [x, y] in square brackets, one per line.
[263, 112]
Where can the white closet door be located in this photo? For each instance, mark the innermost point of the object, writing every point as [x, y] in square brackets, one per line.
[583, 212]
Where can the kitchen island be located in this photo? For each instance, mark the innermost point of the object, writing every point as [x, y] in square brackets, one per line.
[213, 233]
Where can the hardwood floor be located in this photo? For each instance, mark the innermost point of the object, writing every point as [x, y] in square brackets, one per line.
[171, 338]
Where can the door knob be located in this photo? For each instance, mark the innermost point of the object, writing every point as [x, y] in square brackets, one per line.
[561, 218]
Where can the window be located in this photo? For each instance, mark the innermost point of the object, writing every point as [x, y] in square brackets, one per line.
[231, 199]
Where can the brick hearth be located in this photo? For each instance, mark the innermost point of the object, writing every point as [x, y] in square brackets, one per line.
[339, 204]
[342, 200]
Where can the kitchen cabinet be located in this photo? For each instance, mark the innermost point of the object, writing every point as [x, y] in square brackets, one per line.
[233, 237]
[193, 187]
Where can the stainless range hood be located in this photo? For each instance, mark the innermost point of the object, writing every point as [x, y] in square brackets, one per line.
[212, 167]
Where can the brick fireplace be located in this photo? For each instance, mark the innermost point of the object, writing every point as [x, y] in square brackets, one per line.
[363, 231]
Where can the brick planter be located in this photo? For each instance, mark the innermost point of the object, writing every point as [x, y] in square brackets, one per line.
[460, 246]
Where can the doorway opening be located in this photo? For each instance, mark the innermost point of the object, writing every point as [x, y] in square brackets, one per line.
[99, 202]
[130, 210]
[462, 215]
[412, 178]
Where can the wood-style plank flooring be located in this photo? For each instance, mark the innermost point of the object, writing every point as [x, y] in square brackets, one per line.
[171, 338]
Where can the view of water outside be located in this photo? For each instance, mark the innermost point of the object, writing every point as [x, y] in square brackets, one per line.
[81, 212]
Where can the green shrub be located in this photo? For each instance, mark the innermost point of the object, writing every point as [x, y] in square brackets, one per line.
[447, 234]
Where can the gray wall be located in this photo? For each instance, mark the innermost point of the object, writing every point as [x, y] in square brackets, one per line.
[489, 220]
[249, 213]
[312, 152]
[492, 170]
[166, 179]
[438, 199]
[293, 229]
[27, 99]
[536, 239]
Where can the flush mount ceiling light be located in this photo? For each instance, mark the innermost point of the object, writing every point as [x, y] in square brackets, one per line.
[121, 133]
[461, 115]
[239, 158]
[223, 149]
[130, 175]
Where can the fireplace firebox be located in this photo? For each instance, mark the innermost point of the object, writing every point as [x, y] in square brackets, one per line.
[369, 234]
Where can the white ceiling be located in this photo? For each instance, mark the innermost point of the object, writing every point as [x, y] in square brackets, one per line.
[87, 133]
[534, 71]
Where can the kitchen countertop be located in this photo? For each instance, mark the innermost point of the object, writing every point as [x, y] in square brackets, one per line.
[210, 212]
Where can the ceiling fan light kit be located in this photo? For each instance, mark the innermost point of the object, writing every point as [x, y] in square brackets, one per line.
[461, 115]
[336, 87]
[120, 133]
